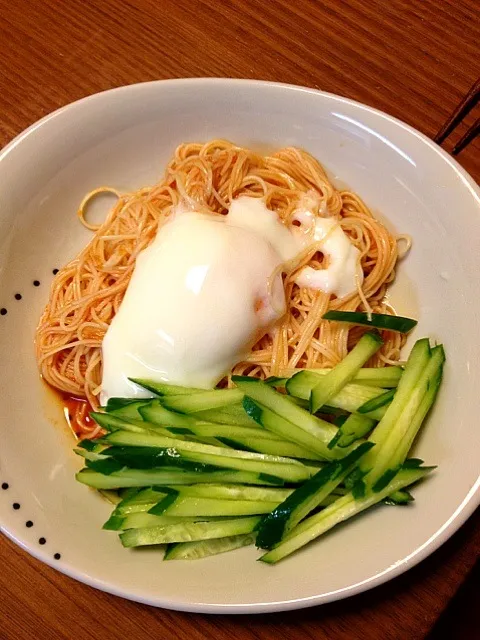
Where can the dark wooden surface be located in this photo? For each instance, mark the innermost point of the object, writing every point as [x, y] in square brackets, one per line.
[415, 60]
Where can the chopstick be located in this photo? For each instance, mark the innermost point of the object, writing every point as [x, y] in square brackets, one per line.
[467, 104]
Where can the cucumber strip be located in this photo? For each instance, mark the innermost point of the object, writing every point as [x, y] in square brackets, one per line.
[111, 496]
[353, 428]
[145, 507]
[204, 548]
[287, 472]
[164, 388]
[184, 505]
[90, 445]
[232, 431]
[277, 448]
[299, 418]
[276, 424]
[306, 498]
[89, 455]
[394, 449]
[344, 372]
[254, 439]
[379, 376]
[169, 477]
[376, 403]
[400, 497]
[285, 468]
[388, 377]
[117, 403]
[232, 414]
[202, 401]
[236, 492]
[110, 422]
[128, 411]
[188, 532]
[141, 520]
[130, 492]
[137, 457]
[149, 495]
[417, 362]
[128, 439]
[350, 398]
[424, 408]
[339, 511]
[399, 324]
[154, 412]
[276, 381]
[134, 508]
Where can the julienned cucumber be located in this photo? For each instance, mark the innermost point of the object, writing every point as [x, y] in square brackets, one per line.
[154, 412]
[377, 320]
[184, 505]
[350, 398]
[110, 422]
[306, 498]
[339, 511]
[236, 492]
[144, 478]
[202, 401]
[370, 376]
[319, 431]
[229, 414]
[328, 386]
[393, 450]
[142, 519]
[375, 403]
[286, 468]
[353, 428]
[252, 439]
[188, 532]
[203, 548]
[128, 411]
[164, 388]
[417, 362]
[202, 470]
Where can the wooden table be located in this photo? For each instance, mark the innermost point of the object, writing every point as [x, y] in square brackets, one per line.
[414, 60]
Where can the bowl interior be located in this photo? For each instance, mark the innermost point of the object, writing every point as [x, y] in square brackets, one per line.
[124, 138]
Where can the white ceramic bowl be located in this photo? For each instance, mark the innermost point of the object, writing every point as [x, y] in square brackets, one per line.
[124, 138]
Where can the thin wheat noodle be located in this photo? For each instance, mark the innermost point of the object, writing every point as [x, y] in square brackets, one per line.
[87, 292]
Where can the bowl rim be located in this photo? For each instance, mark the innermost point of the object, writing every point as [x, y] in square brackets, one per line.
[456, 520]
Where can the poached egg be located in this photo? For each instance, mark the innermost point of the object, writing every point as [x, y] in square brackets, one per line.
[206, 289]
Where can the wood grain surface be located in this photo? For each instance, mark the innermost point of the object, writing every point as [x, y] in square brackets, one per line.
[412, 59]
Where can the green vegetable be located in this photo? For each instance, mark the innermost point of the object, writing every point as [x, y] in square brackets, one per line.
[300, 422]
[350, 398]
[202, 471]
[351, 429]
[377, 320]
[376, 403]
[203, 548]
[165, 476]
[329, 386]
[306, 498]
[342, 509]
[188, 532]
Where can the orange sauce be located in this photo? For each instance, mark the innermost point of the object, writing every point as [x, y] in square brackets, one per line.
[63, 408]
[77, 413]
